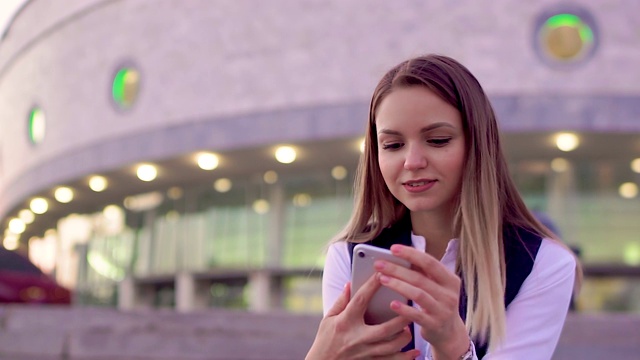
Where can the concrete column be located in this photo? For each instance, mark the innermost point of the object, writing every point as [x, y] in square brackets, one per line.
[260, 290]
[133, 296]
[126, 294]
[275, 235]
[190, 294]
[561, 195]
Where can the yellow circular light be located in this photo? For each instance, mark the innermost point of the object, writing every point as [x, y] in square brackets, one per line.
[147, 172]
[98, 183]
[567, 141]
[39, 205]
[26, 216]
[175, 193]
[286, 154]
[17, 226]
[261, 206]
[207, 161]
[270, 177]
[635, 165]
[361, 146]
[222, 185]
[628, 190]
[112, 212]
[302, 200]
[10, 242]
[559, 165]
[339, 172]
[63, 194]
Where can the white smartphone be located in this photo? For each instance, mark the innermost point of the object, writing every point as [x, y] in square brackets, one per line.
[362, 269]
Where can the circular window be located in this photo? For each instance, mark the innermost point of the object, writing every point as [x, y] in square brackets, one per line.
[126, 84]
[36, 126]
[565, 36]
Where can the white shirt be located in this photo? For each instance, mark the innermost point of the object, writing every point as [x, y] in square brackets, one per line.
[534, 319]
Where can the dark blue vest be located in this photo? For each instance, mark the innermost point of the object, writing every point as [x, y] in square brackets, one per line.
[520, 248]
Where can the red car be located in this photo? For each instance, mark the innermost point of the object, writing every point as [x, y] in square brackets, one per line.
[23, 282]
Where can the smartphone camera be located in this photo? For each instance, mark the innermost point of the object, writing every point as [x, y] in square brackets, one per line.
[361, 254]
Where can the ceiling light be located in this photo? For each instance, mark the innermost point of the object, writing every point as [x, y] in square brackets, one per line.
[302, 200]
[39, 205]
[222, 185]
[361, 146]
[261, 206]
[147, 172]
[635, 165]
[628, 190]
[143, 202]
[112, 212]
[270, 177]
[63, 194]
[339, 172]
[174, 193]
[567, 141]
[26, 216]
[286, 154]
[559, 165]
[10, 242]
[207, 161]
[17, 226]
[98, 183]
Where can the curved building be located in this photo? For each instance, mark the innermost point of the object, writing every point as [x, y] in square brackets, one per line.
[201, 153]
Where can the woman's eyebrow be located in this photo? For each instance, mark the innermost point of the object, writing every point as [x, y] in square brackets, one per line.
[427, 128]
[436, 126]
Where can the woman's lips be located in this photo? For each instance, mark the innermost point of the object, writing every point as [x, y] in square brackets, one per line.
[418, 185]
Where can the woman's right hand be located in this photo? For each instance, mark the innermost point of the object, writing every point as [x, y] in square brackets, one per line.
[343, 334]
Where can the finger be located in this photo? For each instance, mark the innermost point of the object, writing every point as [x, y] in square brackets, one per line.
[341, 302]
[390, 327]
[423, 299]
[360, 300]
[392, 345]
[425, 319]
[426, 263]
[417, 279]
[409, 355]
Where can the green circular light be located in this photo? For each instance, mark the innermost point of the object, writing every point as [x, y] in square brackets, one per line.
[574, 21]
[37, 126]
[566, 37]
[125, 87]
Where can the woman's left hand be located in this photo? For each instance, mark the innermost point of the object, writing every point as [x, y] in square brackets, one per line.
[436, 291]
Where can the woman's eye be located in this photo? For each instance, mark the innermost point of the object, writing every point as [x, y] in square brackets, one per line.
[391, 146]
[439, 141]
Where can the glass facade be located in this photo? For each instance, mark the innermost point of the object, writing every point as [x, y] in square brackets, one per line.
[202, 231]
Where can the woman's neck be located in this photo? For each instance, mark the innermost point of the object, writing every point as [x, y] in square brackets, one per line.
[436, 228]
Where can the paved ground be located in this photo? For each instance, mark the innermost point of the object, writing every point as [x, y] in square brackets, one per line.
[52, 333]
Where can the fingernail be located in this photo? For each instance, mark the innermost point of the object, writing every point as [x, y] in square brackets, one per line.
[395, 249]
[395, 305]
[379, 265]
[384, 279]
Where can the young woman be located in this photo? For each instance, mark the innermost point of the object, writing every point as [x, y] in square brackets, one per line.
[487, 279]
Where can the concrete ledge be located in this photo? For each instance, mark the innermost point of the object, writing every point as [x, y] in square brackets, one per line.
[57, 333]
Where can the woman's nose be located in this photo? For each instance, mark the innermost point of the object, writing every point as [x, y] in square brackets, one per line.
[415, 158]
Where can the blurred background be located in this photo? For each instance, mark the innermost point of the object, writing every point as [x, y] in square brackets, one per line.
[168, 154]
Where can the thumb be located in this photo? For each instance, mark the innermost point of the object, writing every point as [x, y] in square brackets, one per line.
[341, 302]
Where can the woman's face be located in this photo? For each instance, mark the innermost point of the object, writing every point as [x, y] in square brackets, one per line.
[421, 148]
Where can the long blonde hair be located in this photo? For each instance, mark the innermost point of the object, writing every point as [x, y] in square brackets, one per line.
[488, 199]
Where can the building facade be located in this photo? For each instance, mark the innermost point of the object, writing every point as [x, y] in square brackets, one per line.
[139, 138]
